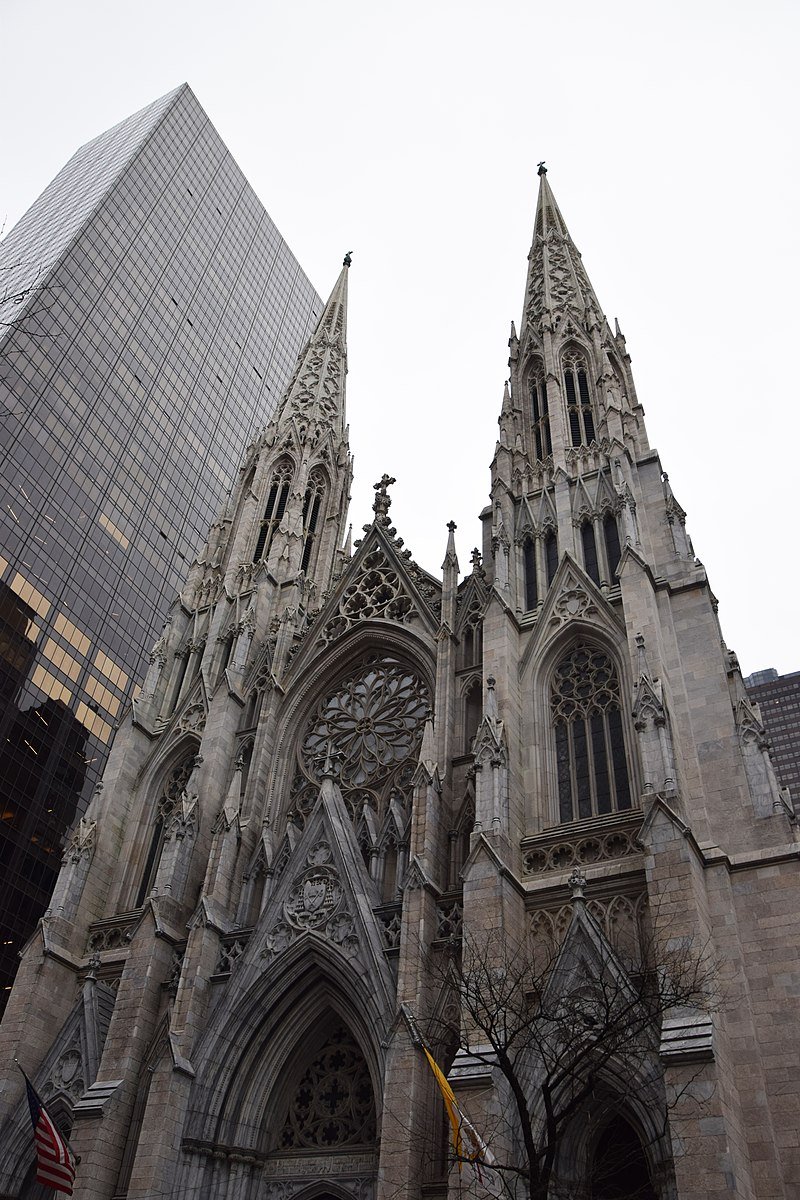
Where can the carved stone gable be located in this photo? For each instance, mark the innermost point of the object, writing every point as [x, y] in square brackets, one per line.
[316, 902]
[376, 592]
[572, 600]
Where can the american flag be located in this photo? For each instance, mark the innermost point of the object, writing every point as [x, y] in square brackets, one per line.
[55, 1165]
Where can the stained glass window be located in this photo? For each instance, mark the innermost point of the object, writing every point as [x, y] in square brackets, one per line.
[369, 729]
[591, 767]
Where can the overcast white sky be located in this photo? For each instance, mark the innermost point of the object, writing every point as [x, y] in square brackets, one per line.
[410, 133]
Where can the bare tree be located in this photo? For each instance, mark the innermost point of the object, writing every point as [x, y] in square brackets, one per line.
[568, 1032]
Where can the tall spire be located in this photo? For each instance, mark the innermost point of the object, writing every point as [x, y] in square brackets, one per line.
[316, 390]
[557, 283]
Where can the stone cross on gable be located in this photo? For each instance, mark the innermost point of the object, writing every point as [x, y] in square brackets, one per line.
[383, 500]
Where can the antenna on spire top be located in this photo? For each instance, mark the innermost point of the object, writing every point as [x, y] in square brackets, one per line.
[542, 169]
[348, 259]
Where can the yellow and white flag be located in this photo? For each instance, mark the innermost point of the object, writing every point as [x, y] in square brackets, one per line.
[468, 1145]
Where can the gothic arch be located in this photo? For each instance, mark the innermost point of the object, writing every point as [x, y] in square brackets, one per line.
[241, 1058]
[277, 489]
[538, 737]
[640, 1104]
[158, 772]
[324, 1058]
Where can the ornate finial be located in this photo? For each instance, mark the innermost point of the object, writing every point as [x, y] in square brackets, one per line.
[348, 258]
[383, 500]
[542, 169]
[577, 882]
[476, 560]
[451, 525]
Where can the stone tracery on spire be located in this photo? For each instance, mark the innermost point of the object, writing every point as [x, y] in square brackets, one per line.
[557, 281]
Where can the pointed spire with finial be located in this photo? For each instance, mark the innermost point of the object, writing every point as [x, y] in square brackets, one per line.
[557, 281]
[316, 390]
[450, 578]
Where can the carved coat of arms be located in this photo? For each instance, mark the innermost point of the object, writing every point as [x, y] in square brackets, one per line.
[315, 896]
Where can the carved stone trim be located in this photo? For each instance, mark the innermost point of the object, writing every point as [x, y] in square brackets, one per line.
[560, 852]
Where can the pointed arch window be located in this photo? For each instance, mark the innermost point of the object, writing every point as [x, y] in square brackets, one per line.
[531, 581]
[550, 555]
[579, 401]
[540, 415]
[589, 545]
[277, 499]
[591, 764]
[165, 806]
[473, 706]
[472, 634]
[312, 504]
[611, 539]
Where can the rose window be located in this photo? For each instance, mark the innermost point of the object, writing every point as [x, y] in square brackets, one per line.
[369, 730]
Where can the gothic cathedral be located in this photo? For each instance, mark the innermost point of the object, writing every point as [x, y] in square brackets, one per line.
[348, 786]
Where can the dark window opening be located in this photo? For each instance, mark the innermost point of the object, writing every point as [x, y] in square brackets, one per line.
[611, 537]
[531, 582]
[551, 556]
[273, 513]
[590, 551]
[580, 410]
[540, 417]
[472, 715]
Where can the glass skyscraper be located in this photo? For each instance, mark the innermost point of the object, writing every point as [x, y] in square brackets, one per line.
[151, 314]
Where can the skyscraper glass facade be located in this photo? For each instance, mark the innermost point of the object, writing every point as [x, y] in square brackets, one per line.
[151, 315]
[778, 698]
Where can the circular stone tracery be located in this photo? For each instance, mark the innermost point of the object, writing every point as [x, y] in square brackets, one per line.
[369, 730]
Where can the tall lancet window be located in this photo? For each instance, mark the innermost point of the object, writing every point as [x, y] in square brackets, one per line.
[579, 400]
[611, 538]
[590, 551]
[164, 808]
[540, 416]
[591, 766]
[550, 555]
[276, 506]
[531, 582]
[312, 504]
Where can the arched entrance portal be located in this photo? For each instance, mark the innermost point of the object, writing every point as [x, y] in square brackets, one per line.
[619, 1168]
[322, 1122]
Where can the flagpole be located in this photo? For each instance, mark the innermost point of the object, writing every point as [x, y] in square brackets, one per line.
[421, 1044]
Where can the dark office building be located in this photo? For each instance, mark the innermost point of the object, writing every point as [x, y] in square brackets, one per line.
[778, 697]
[151, 313]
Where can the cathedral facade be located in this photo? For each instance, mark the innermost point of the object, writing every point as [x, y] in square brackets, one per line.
[349, 785]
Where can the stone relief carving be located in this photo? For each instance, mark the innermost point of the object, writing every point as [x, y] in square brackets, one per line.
[620, 918]
[193, 720]
[581, 851]
[315, 902]
[573, 600]
[81, 843]
[375, 593]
